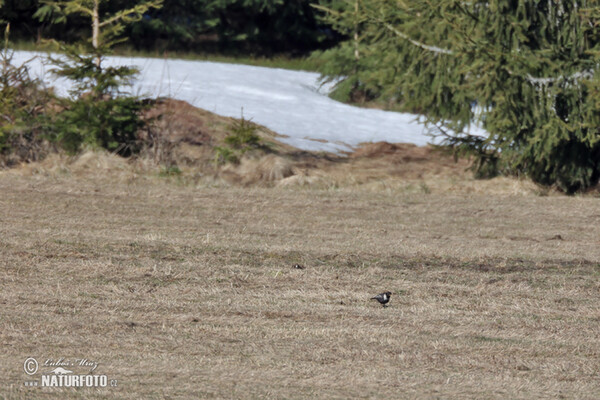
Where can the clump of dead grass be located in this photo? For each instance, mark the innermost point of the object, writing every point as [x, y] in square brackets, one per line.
[306, 181]
[263, 170]
[274, 170]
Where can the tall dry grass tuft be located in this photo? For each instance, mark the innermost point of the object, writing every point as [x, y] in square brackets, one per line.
[265, 170]
[99, 161]
[90, 164]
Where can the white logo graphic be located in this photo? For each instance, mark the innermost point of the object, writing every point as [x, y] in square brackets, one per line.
[30, 366]
[61, 371]
[60, 376]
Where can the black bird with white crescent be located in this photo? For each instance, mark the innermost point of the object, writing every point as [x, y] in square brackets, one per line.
[383, 298]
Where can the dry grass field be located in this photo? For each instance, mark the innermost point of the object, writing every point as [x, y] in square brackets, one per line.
[188, 291]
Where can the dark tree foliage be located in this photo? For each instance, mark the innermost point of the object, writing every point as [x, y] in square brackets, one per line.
[24, 26]
[526, 70]
[20, 14]
[262, 27]
[259, 26]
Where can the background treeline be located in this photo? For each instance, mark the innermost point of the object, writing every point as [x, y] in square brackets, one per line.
[261, 27]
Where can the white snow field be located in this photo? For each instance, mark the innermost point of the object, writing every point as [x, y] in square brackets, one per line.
[291, 103]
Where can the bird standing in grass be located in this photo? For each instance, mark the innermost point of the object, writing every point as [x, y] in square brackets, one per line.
[383, 298]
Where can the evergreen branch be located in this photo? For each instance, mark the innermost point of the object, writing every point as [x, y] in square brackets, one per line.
[70, 7]
[546, 81]
[132, 13]
[531, 79]
[326, 10]
[424, 46]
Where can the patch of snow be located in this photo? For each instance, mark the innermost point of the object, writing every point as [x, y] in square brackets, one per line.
[291, 103]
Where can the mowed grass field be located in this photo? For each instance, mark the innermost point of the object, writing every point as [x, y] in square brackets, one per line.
[181, 291]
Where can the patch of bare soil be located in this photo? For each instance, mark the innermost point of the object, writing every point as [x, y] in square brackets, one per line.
[408, 161]
[181, 134]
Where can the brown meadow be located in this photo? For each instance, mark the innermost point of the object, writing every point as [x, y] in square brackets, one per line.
[189, 291]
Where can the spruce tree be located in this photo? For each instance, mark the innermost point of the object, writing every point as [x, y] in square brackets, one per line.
[99, 112]
[526, 70]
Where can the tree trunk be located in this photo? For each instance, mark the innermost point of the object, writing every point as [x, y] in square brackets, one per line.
[356, 51]
[96, 29]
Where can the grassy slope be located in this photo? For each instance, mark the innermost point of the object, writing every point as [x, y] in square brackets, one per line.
[188, 292]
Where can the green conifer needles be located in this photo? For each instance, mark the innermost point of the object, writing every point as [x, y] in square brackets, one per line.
[526, 70]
